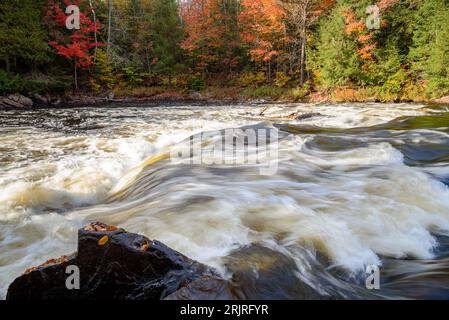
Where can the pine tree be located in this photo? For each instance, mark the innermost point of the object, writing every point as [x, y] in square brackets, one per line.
[335, 60]
[23, 37]
[430, 51]
[166, 36]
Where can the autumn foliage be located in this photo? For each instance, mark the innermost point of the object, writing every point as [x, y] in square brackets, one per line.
[75, 45]
[263, 28]
[252, 45]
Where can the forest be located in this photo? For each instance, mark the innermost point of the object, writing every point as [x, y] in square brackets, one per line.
[348, 50]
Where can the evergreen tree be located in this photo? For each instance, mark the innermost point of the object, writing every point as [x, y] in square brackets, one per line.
[430, 51]
[335, 61]
[23, 37]
[166, 36]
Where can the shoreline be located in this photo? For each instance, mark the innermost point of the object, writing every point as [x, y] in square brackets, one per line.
[19, 101]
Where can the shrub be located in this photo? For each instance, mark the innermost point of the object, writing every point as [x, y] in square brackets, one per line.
[264, 92]
[133, 77]
[104, 76]
[195, 83]
[296, 94]
[281, 80]
[10, 83]
[251, 79]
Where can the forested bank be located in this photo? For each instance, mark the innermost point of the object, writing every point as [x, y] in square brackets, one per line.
[343, 50]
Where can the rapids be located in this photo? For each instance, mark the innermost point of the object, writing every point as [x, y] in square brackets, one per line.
[356, 185]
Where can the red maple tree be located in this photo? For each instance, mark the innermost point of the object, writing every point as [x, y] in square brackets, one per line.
[75, 45]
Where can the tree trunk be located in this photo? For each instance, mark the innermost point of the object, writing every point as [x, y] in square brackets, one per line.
[303, 43]
[302, 61]
[147, 58]
[95, 22]
[8, 64]
[108, 50]
[76, 76]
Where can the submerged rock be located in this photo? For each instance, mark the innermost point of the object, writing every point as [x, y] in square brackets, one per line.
[306, 116]
[113, 264]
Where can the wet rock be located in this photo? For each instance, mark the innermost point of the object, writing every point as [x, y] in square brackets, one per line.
[305, 116]
[41, 100]
[56, 102]
[16, 101]
[113, 264]
[258, 273]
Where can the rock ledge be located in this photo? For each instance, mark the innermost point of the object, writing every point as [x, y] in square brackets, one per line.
[113, 264]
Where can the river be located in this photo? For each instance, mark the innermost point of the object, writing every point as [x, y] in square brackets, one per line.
[355, 185]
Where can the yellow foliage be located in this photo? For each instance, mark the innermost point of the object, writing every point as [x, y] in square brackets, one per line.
[251, 79]
[281, 80]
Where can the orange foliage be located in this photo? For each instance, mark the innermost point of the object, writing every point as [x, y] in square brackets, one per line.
[358, 27]
[207, 27]
[263, 28]
[352, 24]
[385, 4]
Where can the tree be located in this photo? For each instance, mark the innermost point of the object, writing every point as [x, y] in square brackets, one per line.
[301, 15]
[212, 39]
[430, 49]
[23, 37]
[75, 45]
[166, 36]
[348, 53]
[263, 30]
[109, 43]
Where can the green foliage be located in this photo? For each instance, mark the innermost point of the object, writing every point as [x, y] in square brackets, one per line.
[407, 58]
[430, 51]
[282, 80]
[23, 38]
[132, 76]
[166, 36]
[335, 59]
[13, 83]
[10, 83]
[103, 73]
[264, 92]
[195, 83]
[253, 79]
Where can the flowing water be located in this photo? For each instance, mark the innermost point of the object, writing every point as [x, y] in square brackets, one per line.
[356, 185]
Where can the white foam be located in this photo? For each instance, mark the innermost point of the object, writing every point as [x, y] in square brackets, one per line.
[354, 205]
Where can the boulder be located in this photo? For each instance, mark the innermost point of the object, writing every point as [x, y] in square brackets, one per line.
[16, 101]
[113, 264]
[41, 99]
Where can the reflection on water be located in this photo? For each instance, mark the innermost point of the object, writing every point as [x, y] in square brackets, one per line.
[357, 185]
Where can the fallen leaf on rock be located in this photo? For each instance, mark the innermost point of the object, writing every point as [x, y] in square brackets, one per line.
[103, 240]
[145, 246]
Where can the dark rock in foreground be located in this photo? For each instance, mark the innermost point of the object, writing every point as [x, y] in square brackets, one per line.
[116, 265]
[113, 264]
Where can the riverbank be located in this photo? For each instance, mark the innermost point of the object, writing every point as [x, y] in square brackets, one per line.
[209, 95]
